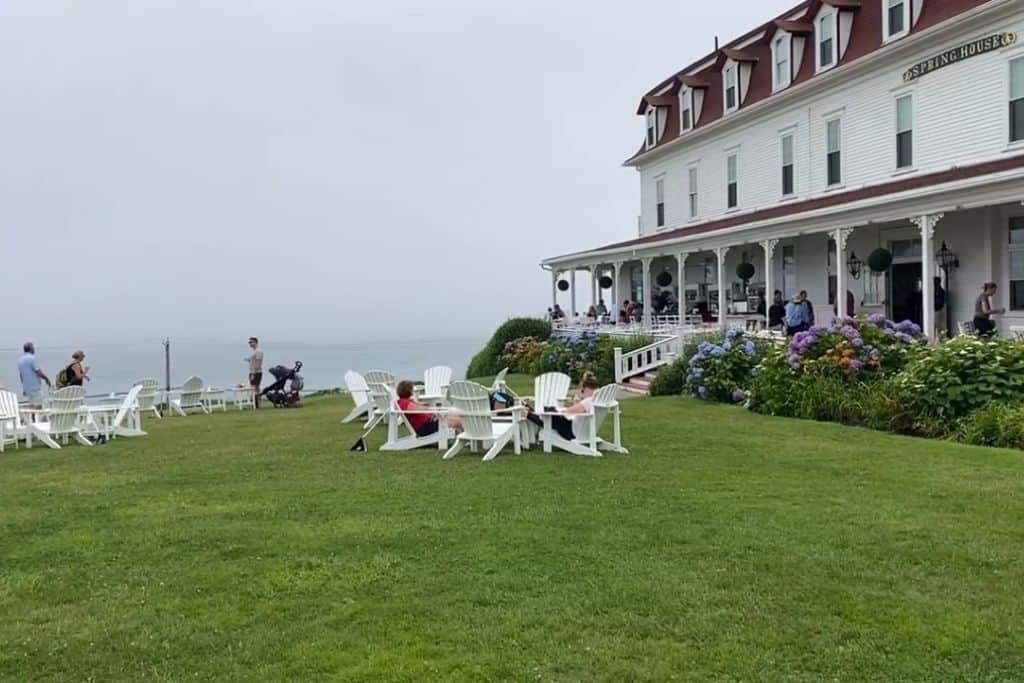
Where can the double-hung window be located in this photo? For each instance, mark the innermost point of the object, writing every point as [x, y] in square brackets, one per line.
[1017, 99]
[732, 185]
[731, 89]
[780, 57]
[896, 19]
[787, 165]
[834, 160]
[652, 127]
[826, 41]
[685, 109]
[659, 198]
[1017, 263]
[694, 197]
[905, 132]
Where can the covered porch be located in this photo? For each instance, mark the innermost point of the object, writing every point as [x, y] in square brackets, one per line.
[913, 258]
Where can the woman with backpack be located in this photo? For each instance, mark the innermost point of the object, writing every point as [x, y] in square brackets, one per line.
[75, 373]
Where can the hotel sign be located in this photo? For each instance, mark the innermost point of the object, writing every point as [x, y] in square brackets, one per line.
[959, 54]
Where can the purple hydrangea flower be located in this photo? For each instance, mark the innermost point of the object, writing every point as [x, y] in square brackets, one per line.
[749, 349]
[738, 395]
[855, 366]
[702, 392]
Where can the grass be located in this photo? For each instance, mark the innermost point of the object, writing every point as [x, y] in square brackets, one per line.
[728, 546]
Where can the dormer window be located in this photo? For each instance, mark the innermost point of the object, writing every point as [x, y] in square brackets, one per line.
[828, 44]
[895, 19]
[781, 52]
[652, 127]
[685, 109]
[732, 96]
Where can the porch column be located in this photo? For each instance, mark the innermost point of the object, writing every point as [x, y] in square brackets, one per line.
[572, 293]
[614, 310]
[648, 318]
[554, 286]
[769, 277]
[841, 235]
[593, 286]
[720, 252]
[926, 223]
[681, 284]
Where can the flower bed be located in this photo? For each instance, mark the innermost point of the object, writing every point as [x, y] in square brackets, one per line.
[575, 354]
[722, 372]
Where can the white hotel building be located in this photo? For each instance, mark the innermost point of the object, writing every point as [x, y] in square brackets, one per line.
[837, 129]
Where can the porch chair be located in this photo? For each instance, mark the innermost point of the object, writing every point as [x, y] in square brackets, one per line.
[147, 396]
[435, 382]
[479, 423]
[398, 422]
[190, 398]
[12, 429]
[360, 393]
[586, 426]
[64, 419]
[124, 421]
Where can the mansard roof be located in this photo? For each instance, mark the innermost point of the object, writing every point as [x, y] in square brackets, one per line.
[754, 48]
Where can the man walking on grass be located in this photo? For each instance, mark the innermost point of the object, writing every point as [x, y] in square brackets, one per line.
[255, 369]
[31, 375]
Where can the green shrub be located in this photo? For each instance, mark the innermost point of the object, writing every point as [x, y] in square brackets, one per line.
[574, 353]
[997, 424]
[723, 372]
[951, 381]
[671, 378]
[487, 362]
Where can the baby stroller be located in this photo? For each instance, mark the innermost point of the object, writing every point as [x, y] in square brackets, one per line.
[276, 394]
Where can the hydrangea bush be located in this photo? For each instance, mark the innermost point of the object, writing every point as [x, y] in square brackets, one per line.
[722, 372]
[854, 347]
[574, 353]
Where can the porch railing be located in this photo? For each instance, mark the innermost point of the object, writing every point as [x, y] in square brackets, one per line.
[632, 363]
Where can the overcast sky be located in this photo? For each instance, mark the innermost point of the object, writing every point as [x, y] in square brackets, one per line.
[318, 169]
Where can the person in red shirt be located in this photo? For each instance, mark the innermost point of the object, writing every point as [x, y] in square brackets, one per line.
[423, 422]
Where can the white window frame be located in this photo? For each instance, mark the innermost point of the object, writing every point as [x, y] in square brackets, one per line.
[659, 199]
[732, 156]
[693, 191]
[913, 131]
[651, 123]
[791, 136]
[832, 16]
[1011, 57]
[783, 42]
[835, 118]
[686, 104]
[734, 69]
[887, 36]
[1010, 250]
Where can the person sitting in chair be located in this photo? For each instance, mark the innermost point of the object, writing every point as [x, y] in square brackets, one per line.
[421, 418]
[564, 423]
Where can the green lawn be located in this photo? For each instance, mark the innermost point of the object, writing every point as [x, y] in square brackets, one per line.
[728, 546]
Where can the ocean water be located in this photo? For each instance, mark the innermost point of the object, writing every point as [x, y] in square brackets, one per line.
[114, 367]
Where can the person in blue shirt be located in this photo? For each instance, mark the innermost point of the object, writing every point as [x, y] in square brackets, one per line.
[796, 316]
[32, 376]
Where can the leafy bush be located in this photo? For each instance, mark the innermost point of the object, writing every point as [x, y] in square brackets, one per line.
[996, 424]
[487, 361]
[671, 379]
[722, 372]
[854, 348]
[953, 380]
[575, 354]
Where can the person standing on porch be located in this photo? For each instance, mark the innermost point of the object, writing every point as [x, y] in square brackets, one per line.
[796, 316]
[983, 311]
[776, 312]
[808, 308]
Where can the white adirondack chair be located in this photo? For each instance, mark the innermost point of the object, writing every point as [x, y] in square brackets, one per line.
[398, 423]
[190, 398]
[11, 427]
[147, 396]
[435, 382]
[64, 419]
[124, 422]
[550, 390]
[499, 383]
[360, 393]
[479, 423]
[586, 426]
[378, 382]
